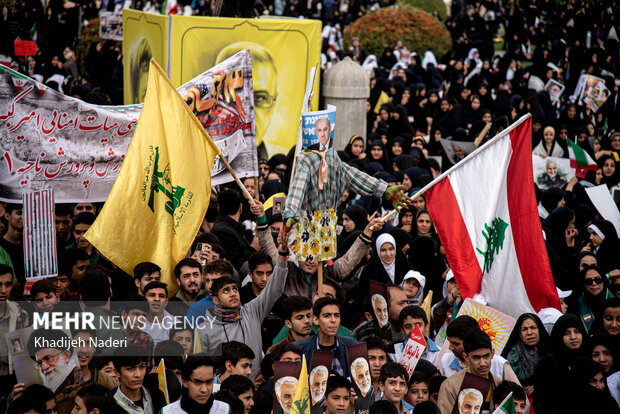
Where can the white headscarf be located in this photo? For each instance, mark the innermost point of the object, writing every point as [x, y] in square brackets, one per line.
[419, 297]
[389, 268]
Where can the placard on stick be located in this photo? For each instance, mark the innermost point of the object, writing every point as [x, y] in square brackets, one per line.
[413, 350]
[39, 235]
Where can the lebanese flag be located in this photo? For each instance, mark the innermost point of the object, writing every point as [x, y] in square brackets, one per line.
[485, 212]
[580, 160]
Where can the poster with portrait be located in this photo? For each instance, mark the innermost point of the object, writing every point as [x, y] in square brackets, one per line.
[594, 93]
[145, 36]
[457, 150]
[283, 52]
[472, 395]
[551, 172]
[111, 25]
[318, 129]
[379, 300]
[357, 358]
[555, 90]
[319, 372]
[285, 378]
[44, 357]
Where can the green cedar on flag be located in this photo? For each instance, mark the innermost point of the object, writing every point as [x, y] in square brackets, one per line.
[580, 160]
[507, 406]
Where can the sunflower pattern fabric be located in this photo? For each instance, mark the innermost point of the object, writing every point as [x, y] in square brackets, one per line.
[315, 236]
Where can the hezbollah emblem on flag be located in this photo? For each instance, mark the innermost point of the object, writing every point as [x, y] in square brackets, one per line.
[160, 183]
[494, 234]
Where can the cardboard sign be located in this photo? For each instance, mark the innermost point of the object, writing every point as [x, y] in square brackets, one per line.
[604, 204]
[357, 358]
[25, 47]
[319, 373]
[413, 350]
[39, 235]
[318, 128]
[285, 378]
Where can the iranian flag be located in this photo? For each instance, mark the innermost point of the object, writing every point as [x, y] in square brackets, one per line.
[485, 212]
[580, 160]
[507, 406]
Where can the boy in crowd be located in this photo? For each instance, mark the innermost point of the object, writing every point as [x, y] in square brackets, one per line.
[326, 315]
[241, 387]
[377, 358]
[417, 389]
[518, 396]
[236, 360]
[411, 316]
[63, 218]
[297, 315]
[197, 397]
[260, 268]
[145, 273]
[337, 395]
[94, 399]
[477, 353]
[212, 270]
[393, 385]
[12, 242]
[44, 297]
[130, 363]
[229, 320]
[158, 320]
[133, 311]
[455, 362]
[81, 224]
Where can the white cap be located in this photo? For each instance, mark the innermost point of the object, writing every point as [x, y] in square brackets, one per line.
[563, 293]
[449, 275]
[549, 316]
[412, 274]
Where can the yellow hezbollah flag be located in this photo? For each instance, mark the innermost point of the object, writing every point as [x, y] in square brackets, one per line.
[162, 191]
[197, 349]
[426, 305]
[162, 383]
[301, 399]
[383, 99]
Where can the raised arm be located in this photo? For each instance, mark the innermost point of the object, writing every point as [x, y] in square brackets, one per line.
[262, 231]
[345, 265]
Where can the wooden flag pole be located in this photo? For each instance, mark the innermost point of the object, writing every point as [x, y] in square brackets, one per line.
[320, 279]
[244, 190]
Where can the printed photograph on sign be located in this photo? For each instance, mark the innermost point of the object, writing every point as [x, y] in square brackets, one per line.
[357, 357]
[285, 377]
[111, 25]
[278, 204]
[318, 129]
[319, 372]
[471, 398]
[555, 90]
[457, 150]
[594, 93]
[46, 357]
[551, 172]
[496, 324]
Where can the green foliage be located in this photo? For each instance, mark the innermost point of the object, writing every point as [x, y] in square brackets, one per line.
[429, 6]
[381, 28]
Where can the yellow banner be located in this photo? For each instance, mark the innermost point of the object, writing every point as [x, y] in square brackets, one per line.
[162, 191]
[145, 36]
[283, 51]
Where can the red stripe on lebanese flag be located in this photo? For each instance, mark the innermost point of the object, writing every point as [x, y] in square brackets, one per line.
[525, 222]
[463, 262]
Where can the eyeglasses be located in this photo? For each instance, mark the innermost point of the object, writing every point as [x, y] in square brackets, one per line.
[200, 383]
[264, 100]
[47, 359]
[598, 280]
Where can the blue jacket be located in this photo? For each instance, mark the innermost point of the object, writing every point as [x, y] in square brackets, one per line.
[340, 365]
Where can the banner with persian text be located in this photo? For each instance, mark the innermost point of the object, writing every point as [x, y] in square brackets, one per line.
[50, 140]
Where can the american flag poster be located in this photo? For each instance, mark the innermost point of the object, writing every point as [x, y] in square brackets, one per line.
[39, 235]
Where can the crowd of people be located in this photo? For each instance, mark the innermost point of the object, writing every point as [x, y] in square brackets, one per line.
[259, 306]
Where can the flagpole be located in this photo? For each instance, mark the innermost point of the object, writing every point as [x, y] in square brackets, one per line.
[244, 190]
[464, 161]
